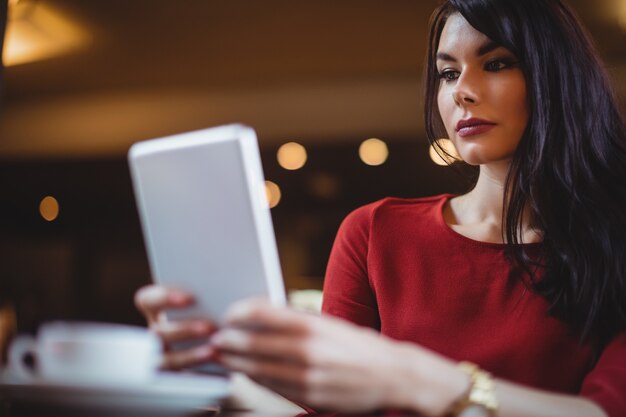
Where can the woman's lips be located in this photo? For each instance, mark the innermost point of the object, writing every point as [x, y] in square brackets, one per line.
[474, 130]
[473, 126]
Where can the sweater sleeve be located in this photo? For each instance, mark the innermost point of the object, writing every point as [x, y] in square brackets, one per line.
[606, 383]
[347, 290]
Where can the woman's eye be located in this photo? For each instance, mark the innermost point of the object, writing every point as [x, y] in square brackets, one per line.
[498, 65]
[449, 75]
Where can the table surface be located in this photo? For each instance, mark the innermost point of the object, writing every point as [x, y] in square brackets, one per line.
[24, 410]
[247, 399]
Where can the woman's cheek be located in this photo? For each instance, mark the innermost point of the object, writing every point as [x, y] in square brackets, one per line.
[446, 115]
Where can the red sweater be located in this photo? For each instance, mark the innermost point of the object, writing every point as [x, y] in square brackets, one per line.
[396, 266]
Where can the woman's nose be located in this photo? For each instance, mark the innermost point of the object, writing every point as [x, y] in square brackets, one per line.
[465, 92]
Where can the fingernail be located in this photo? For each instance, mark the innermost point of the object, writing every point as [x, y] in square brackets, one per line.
[230, 338]
[204, 352]
[217, 339]
[201, 328]
[221, 339]
[179, 298]
[240, 310]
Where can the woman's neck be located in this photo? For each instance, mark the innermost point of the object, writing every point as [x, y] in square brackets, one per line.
[479, 213]
[484, 203]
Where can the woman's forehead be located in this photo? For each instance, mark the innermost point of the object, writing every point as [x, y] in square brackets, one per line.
[457, 31]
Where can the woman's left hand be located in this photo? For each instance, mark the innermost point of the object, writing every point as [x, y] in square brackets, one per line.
[323, 362]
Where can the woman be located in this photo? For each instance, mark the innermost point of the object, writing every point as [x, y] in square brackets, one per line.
[525, 275]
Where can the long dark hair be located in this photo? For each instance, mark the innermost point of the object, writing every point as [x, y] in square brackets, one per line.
[569, 170]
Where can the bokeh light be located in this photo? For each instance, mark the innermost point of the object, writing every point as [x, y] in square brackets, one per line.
[49, 208]
[272, 191]
[324, 185]
[291, 156]
[450, 156]
[373, 152]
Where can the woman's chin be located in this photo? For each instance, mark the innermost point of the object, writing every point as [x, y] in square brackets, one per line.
[480, 159]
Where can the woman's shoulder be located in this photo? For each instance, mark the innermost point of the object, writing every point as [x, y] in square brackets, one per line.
[395, 209]
[395, 204]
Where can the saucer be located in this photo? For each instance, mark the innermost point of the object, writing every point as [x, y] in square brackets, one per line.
[168, 391]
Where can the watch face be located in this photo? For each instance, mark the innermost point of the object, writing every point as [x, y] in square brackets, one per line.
[481, 395]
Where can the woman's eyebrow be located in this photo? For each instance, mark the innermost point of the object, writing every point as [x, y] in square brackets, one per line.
[485, 48]
[442, 56]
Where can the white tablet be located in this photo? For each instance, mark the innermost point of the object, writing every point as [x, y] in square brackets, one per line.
[206, 221]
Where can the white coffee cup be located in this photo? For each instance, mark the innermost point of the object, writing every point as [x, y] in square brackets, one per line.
[86, 353]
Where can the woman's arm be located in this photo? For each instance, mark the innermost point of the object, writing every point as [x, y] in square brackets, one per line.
[518, 401]
[331, 364]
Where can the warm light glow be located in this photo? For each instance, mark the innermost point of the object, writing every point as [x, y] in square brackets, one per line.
[450, 156]
[373, 152]
[621, 13]
[272, 190]
[35, 31]
[291, 156]
[49, 208]
[324, 185]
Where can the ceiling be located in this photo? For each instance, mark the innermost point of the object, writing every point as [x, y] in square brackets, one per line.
[312, 71]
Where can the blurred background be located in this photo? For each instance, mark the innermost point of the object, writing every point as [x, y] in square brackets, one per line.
[84, 79]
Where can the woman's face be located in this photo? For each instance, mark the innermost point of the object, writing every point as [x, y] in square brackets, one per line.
[482, 94]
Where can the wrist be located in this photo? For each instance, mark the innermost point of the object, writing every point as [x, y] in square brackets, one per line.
[429, 383]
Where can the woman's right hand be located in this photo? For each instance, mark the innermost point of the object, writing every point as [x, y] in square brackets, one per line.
[151, 301]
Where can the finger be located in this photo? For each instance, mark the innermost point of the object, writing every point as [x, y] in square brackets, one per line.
[189, 357]
[153, 299]
[286, 347]
[259, 313]
[174, 331]
[270, 370]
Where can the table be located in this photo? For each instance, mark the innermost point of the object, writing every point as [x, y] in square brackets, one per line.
[252, 400]
[24, 410]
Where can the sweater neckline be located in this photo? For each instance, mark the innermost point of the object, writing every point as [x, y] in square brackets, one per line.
[467, 240]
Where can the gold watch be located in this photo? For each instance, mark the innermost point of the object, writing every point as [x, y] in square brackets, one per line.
[481, 393]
